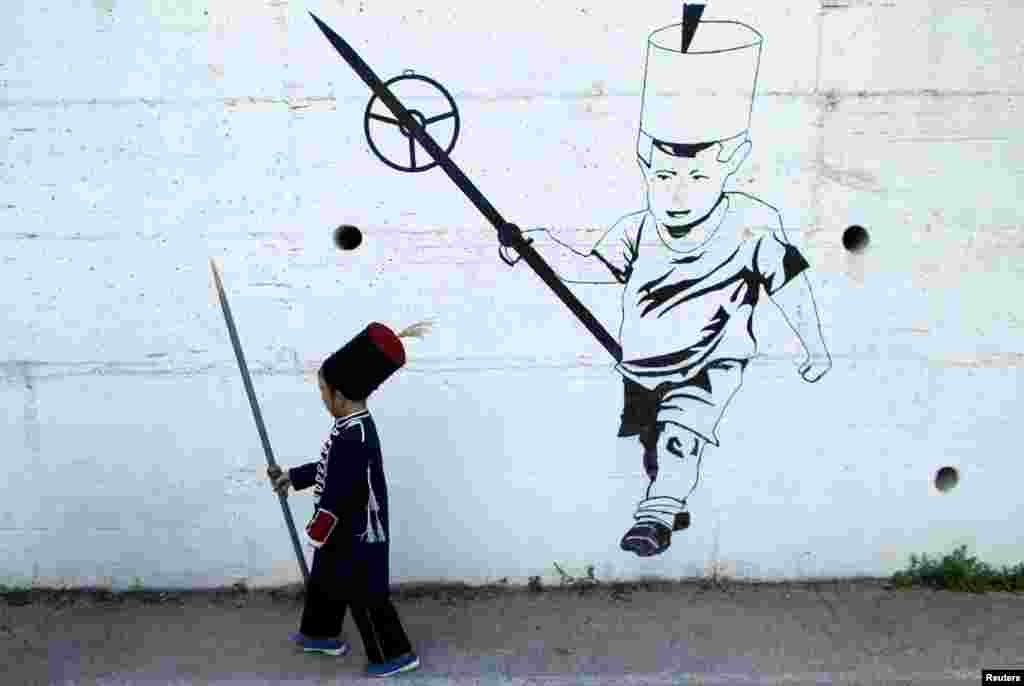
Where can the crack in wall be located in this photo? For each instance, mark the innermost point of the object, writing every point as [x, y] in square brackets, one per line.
[289, 364]
[313, 100]
[828, 5]
[818, 182]
[33, 438]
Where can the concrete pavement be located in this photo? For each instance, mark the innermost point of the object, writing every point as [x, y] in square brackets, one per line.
[847, 632]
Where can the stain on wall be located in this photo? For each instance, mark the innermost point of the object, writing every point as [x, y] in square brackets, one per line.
[104, 13]
[180, 15]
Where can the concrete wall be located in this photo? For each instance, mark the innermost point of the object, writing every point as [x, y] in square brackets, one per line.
[141, 137]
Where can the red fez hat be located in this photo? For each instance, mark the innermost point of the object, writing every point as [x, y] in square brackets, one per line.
[365, 362]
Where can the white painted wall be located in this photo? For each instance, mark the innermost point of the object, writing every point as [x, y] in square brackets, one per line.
[141, 137]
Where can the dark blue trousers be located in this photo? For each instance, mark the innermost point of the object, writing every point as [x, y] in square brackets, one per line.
[336, 586]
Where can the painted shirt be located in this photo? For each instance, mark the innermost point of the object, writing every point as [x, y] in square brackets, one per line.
[684, 311]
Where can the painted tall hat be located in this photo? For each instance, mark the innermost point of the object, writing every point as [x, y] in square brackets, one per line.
[365, 362]
[700, 93]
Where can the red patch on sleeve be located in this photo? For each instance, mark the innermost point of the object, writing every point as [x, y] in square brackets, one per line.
[320, 527]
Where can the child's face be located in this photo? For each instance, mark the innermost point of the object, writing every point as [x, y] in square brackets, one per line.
[682, 191]
[326, 395]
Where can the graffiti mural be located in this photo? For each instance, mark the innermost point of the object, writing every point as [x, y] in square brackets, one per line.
[693, 265]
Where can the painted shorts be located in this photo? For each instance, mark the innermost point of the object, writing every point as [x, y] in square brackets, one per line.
[696, 404]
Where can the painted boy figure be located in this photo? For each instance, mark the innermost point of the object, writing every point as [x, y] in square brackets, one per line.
[694, 265]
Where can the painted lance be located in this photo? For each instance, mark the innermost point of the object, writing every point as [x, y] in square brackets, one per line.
[413, 126]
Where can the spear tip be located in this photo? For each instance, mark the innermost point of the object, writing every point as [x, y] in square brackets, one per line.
[319, 22]
[692, 12]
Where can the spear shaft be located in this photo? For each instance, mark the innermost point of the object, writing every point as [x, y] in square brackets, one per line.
[514, 236]
[247, 380]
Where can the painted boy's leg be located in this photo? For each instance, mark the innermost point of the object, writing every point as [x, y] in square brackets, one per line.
[658, 419]
[686, 415]
[651, 533]
[639, 418]
[661, 512]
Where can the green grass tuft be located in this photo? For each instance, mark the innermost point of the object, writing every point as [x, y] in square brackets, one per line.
[15, 586]
[959, 572]
[581, 584]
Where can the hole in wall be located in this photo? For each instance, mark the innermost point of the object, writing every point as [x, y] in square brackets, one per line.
[855, 238]
[946, 479]
[347, 237]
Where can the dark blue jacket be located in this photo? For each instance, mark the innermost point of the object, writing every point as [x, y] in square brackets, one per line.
[349, 482]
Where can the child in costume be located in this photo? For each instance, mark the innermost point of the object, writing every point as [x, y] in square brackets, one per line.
[349, 527]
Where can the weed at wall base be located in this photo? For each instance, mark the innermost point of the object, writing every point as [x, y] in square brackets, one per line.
[959, 572]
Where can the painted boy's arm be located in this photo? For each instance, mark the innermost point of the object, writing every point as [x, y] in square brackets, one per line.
[609, 261]
[796, 302]
[586, 268]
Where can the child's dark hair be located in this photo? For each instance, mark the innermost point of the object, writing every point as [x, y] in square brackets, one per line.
[726, 148]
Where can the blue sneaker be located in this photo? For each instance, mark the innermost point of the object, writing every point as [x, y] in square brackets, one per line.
[327, 646]
[405, 663]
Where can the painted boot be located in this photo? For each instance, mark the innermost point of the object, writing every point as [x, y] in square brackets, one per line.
[647, 539]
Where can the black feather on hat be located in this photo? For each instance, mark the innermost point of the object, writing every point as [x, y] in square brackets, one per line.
[365, 362]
